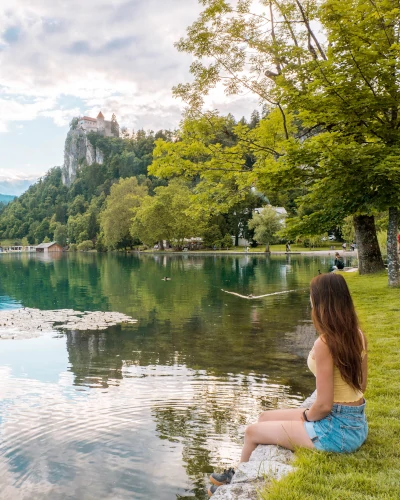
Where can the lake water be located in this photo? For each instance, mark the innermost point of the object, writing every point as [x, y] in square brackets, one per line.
[147, 411]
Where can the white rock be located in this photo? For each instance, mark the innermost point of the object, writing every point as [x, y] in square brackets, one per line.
[266, 462]
[266, 469]
[271, 452]
[309, 401]
[243, 491]
[30, 323]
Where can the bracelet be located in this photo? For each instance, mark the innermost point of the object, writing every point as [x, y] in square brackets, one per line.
[305, 414]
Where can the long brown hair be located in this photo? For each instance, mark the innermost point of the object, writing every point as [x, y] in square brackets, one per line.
[336, 321]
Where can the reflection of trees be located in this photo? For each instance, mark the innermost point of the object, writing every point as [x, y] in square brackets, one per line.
[246, 355]
[93, 358]
[187, 320]
[213, 422]
[53, 284]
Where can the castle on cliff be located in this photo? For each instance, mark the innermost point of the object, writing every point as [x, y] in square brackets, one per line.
[99, 125]
[79, 150]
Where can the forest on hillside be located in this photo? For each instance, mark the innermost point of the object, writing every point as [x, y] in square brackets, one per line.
[88, 214]
[48, 206]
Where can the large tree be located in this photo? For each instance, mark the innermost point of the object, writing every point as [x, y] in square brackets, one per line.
[125, 198]
[343, 87]
[266, 225]
[168, 215]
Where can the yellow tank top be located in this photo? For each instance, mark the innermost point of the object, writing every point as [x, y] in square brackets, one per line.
[342, 391]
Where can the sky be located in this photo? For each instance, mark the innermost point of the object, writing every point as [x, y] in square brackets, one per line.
[63, 59]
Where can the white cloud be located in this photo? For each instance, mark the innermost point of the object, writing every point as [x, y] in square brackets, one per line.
[61, 117]
[116, 56]
[15, 184]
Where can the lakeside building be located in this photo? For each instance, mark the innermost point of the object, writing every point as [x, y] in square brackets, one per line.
[52, 247]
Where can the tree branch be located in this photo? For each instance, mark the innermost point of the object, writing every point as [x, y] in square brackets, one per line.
[310, 32]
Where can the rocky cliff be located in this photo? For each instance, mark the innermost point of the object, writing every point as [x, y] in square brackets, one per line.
[78, 151]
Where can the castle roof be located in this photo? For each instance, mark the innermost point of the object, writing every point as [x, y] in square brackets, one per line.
[100, 115]
[88, 118]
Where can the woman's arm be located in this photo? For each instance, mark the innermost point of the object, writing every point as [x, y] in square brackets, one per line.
[324, 378]
[364, 366]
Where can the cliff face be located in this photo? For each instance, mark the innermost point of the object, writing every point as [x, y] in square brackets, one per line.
[78, 150]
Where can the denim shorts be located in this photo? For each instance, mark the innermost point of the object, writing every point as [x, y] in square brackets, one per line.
[343, 430]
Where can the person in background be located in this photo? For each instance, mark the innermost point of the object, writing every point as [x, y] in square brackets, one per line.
[344, 246]
[287, 247]
[336, 421]
[339, 262]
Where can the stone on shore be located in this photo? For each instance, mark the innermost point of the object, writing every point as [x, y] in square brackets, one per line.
[244, 491]
[266, 462]
[30, 323]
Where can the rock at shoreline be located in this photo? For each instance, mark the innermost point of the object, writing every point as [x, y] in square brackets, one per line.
[266, 462]
[30, 323]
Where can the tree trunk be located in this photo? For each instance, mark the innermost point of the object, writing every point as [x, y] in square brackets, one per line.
[267, 248]
[392, 251]
[369, 254]
[236, 239]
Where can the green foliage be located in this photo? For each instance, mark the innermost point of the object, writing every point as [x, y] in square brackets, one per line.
[74, 123]
[78, 228]
[338, 98]
[61, 234]
[85, 246]
[73, 247]
[35, 213]
[226, 242]
[211, 236]
[266, 225]
[100, 243]
[207, 153]
[168, 215]
[382, 240]
[121, 206]
[114, 126]
[347, 228]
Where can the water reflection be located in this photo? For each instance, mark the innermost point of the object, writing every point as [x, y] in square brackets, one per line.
[147, 410]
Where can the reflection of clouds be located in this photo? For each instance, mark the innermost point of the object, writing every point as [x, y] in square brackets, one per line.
[60, 443]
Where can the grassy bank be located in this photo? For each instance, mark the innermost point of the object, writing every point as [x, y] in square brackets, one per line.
[324, 246]
[374, 470]
[297, 247]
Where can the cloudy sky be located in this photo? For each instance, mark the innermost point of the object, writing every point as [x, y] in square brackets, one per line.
[61, 59]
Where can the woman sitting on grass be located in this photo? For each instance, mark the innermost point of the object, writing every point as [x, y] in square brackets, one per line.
[336, 420]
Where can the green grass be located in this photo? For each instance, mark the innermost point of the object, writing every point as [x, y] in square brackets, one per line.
[374, 470]
[300, 248]
[274, 248]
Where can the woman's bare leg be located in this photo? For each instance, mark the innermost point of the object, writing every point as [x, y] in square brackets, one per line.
[288, 434]
[281, 415]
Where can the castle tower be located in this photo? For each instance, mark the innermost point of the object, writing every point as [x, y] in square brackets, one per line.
[100, 123]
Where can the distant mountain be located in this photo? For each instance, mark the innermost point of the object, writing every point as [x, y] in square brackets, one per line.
[6, 198]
